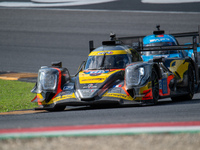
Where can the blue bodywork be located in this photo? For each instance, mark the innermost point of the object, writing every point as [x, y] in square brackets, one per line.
[147, 58]
[160, 40]
[190, 52]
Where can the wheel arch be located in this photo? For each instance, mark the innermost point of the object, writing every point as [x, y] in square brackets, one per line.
[195, 66]
[157, 68]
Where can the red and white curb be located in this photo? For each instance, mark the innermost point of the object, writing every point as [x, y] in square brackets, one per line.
[107, 129]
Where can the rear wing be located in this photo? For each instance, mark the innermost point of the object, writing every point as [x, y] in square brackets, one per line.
[137, 42]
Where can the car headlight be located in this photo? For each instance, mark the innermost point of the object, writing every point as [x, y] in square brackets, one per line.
[141, 71]
[134, 75]
[47, 80]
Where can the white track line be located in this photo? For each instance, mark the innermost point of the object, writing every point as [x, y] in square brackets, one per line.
[7, 4]
[169, 1]
[54, 3]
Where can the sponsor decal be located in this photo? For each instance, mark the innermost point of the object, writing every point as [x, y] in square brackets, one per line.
[90, 86]
[96, 73]
[119, 85]
[160, 40]
[160, 35]
[100, 53]
[164, 86]
[94, 79]
[160, 84]
[58, 98]
[87, 92]
[118, 95]
[68, 87]
[165, 56]
[115, 90]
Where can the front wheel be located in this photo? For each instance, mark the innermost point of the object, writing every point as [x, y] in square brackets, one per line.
[155, 86]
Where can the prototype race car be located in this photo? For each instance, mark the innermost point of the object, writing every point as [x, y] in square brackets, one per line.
[115, 73]
[190, 53]
[159, 38]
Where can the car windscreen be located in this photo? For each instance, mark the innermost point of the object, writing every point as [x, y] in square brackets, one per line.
[107, 62]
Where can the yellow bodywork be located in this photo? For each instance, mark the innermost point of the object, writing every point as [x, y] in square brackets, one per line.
[179, 67]
[85, 77]
[118, 95]
[58, 98]
[110, 52]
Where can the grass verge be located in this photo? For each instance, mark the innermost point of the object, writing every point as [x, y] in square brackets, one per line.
[16, 95]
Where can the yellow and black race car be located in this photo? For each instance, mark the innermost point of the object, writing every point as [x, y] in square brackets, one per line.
[115, 73]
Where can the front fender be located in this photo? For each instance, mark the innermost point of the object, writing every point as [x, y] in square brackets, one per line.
[50, 81]
[137, 74]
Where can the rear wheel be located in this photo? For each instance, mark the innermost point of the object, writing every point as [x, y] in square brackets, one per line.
[190, 88]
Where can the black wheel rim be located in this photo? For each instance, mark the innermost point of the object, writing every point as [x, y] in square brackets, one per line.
[155, 87]
[191, 81]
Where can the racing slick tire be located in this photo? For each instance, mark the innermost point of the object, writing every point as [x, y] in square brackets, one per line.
[190, 88]
[155, 86]
[191, 84]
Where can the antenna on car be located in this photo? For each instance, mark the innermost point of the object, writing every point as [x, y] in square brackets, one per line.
[158, 32]
[112, 36]
[158, 27]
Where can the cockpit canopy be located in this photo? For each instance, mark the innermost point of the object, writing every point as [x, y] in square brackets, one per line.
[111, 57]
[159, 40]
[107, 62]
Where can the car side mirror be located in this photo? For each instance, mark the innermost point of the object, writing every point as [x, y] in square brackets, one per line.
[80, 68]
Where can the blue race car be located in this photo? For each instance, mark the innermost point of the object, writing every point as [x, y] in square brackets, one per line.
[159, 39]
[167, 48]
[190, 53]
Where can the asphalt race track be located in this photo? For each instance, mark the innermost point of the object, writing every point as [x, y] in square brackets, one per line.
[35, 37]
[135, 5]
[32, 38]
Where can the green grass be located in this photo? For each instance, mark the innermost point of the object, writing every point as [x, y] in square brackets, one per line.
[16, 95]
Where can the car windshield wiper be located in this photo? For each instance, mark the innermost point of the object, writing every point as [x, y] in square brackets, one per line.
[102, 68]
[92, 69]
[102, 63]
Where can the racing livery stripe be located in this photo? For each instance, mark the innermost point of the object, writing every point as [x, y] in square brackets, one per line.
[109, 52]
[105, 129]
